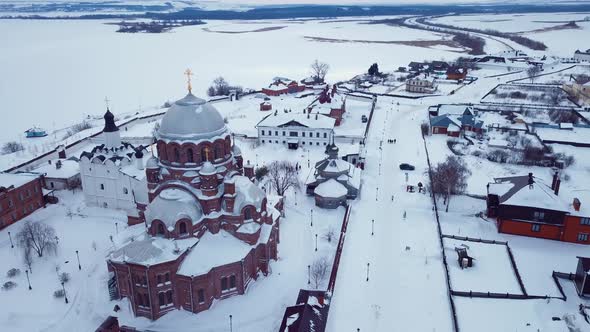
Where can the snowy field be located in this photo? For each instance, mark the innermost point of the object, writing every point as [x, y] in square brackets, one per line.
[491, 264]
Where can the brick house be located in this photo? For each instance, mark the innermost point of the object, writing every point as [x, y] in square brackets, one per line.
[330, 103]
[422, 84]
[20, 195]
[210, 230]
[281, 86]
[456, 73]
[524, 205]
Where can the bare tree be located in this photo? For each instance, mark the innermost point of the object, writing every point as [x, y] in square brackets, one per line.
[319, 271]
[319, 70]
[28, 258]
[12, 147]
[532, 72]
[283, 175]
[330, 234]
[449, 178]
[37, 236]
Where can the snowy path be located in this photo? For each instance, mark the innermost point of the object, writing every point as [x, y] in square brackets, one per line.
[405, 273]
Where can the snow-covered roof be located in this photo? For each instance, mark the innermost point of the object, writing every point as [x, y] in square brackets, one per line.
[247, 193]
[297, 119]
[331, 188]
[213, 250]
[16, 180]
[151, 250]
[171, 205]
[191, 118]
[249, 228]
[566, 125]
[67, 169]
[539, 195]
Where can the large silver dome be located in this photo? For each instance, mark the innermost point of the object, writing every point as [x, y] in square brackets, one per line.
[191, 118]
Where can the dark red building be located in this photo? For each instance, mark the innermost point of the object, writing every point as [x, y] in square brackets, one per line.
[524, 205]
[282, 86]
[20, 195]
[210, 231]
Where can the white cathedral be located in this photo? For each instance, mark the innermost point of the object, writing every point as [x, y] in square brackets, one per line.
[113, 173]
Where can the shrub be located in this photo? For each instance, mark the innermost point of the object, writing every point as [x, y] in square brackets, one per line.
[78, 127]
[12, 273]
[498, 156]
[64, 277]
[261, 172]
[518, 95]
[9, 285]
[424, 128]
[58, 294]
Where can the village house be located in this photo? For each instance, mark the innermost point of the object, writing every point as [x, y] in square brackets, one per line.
[456, 73]
[582, 55]
[20, 195]
[282, 85]
[422, 84]
[113, 173]
[265, 106]
[330, 103]
[579, 89]
[334, 180]
[296, 129]
[210, 231]
[454, 124]
[60, 174]
[582, 277]
[524, 205]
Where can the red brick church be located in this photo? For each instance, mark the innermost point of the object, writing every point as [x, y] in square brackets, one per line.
[210, 231]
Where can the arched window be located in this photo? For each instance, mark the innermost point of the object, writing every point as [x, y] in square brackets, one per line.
[218, 151]
[176, 155]
[189, 153]
[248, 214]
[125, 191]
[169, 297]
[182, 228]
[204, 152]
[161, 230]
[161, 298]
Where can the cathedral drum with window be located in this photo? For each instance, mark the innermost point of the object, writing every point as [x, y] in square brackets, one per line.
[210, 230]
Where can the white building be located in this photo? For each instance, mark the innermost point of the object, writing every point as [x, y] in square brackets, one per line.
[113, 174]
[422, 84]
[582, 56]
[296, 129]
[60, 174]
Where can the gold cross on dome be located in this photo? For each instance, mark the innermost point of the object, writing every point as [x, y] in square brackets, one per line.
[188, 74]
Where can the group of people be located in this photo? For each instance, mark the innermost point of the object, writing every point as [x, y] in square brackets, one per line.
[392, 141]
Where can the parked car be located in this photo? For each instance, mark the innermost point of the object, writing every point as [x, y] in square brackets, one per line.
[364, 119]
[406, 167]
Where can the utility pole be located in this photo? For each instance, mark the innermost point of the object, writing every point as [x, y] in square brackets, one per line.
[10, 237]
[373, 227]
[78, 256]
[368, 271]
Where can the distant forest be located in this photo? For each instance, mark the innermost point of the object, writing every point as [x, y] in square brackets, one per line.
[167, 11]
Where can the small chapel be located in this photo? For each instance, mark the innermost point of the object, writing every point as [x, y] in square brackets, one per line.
[210, 230]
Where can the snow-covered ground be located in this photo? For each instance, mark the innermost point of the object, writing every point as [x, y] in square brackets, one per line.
[406, 288]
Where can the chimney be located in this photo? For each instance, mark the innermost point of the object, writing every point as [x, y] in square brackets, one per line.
[555, 177]
[576, 204]
[61, 152]
[557, 184]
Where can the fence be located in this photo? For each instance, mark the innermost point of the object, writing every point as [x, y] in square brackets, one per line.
[336, 264]
[442, 247]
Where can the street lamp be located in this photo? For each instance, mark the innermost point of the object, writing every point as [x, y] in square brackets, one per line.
[308, 274]
[28, 280]
[65, 295]
[367, 271]
[372, 226]
[117, 228]
[230, 323]
[311, 217]
[79, 266]
[316, 242]
[10, 237]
